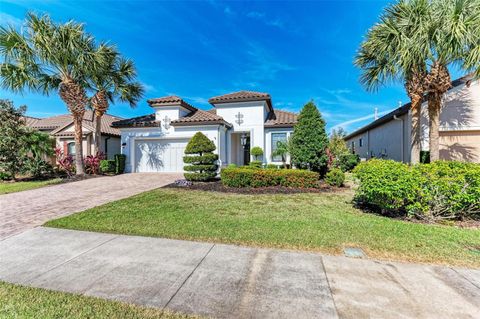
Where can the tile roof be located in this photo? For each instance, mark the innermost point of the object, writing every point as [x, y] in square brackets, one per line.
[279, 118]
[30, 121]
[57, 123]
[242, 96]
[170, 101]
[139, 121]
[201, 117]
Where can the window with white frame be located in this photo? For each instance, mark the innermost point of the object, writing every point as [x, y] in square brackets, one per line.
[277, 137]
[71, 148]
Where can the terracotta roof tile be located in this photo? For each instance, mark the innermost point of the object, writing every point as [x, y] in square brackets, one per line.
[55, 123]
[242, 96]
[203, 117]
[139, 121]
[279, 118]
[169, 101]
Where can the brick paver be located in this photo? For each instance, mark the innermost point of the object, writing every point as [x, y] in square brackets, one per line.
[24, 210]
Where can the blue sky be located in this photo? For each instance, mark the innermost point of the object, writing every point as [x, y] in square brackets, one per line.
[296, 51]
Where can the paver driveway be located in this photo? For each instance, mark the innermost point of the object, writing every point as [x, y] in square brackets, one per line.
[24, 210]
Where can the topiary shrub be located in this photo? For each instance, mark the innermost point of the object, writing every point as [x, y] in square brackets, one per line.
[120, 160]
[347, 162]
[335, 177]
[107, 166]
[256, 152]
[200, 159]
[247, 177]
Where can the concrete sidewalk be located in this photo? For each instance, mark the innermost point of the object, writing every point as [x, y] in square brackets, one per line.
[227, 281]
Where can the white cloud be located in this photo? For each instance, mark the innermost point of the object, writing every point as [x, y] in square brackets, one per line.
[345, 125]
[8, 19]
[261, 16]
[255, 15]
[262, 65]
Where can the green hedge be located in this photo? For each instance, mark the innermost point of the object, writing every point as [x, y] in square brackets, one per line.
[119, 163]
[335, 177]
[440, 190]
[248, 177]
[348, 162]
[107, 166]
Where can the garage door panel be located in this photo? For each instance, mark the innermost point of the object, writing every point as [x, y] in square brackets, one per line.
[159, 155]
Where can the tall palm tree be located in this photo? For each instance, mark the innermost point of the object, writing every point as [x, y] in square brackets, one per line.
[395, 49]
[115, 80]
[47, 57]
[454, 40]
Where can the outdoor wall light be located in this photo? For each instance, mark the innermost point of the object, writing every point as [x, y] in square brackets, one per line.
[243, 139]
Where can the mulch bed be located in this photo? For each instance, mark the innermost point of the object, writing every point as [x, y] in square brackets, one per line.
[217, 186]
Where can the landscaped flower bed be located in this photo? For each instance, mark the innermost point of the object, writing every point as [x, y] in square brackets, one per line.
[256, 177]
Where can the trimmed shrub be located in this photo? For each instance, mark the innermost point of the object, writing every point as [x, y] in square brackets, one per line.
[200, 159]
[120, 160]
[335, 177]
[107, 166]
[255, 164]
[271, 166]
[232, 165]
[347, 162]
[256, 152]
[248, 177]
[37, 167]
[436, 191]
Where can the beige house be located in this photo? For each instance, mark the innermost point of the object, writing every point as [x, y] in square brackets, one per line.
[61, 128]
[389, 136]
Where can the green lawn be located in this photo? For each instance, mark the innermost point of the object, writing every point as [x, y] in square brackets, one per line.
[324, 222]
[24, 302]
[12, 187]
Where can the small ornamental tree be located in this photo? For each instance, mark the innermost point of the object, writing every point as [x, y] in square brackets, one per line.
[200, 160]
[309, 141]
[256, 152]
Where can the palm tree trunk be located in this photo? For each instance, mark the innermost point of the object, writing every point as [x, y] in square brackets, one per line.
[415, 142]
[77, 123]
[434, 104]
[98, 134]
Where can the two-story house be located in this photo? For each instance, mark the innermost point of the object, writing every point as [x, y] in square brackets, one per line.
[236, 123]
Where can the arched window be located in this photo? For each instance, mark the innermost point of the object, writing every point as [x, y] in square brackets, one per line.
[71, 148]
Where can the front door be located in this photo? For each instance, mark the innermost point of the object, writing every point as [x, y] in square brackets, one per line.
[246, 152]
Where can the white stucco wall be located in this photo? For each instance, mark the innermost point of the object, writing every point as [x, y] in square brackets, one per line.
[129, 135]
[253, 119]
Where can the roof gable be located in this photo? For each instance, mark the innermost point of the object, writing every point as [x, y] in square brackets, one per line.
[171, 100]
[242, 96]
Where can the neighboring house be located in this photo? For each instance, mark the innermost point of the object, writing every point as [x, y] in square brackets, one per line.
[61, 128]
[238, 122]
[389, 136]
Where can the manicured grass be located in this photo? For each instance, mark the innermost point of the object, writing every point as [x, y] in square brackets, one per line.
[24, 302]
[324, 222]
[12, 187]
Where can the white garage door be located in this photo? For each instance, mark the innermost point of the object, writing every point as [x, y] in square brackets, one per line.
[159, 155]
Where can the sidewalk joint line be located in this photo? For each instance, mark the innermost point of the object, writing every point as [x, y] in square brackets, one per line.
[329, 286]
[465, 277]
[188, 277]
[69, 260]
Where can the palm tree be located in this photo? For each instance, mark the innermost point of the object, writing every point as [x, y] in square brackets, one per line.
[396, 49]
[47, 57]
[114, 81]
[455, 40]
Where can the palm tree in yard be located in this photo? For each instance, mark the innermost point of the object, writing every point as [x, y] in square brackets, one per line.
[49, 57]
[392, 52]
[115, 80]
[454, 41]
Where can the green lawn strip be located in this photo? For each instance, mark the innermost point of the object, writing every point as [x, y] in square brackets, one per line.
[321, 222]
[25, 302]
[12, 187]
